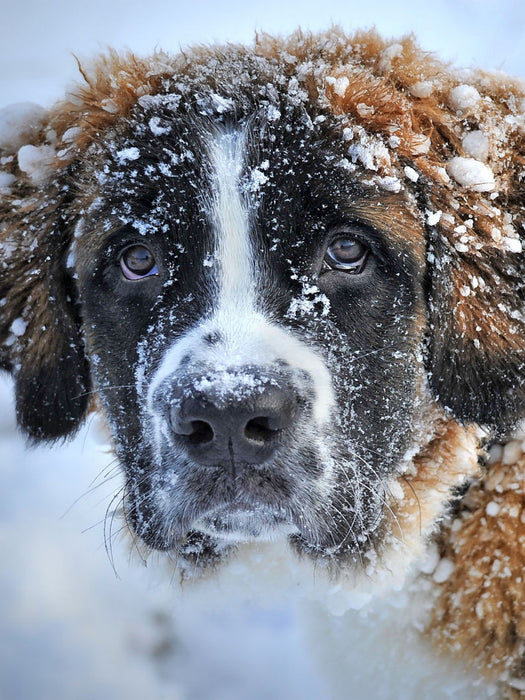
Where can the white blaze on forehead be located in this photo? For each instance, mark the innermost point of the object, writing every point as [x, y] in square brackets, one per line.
[231, 221]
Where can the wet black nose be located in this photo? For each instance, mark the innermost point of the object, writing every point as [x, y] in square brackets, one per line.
[231, 431]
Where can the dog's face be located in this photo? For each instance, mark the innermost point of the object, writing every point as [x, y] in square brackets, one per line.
[256, 324]
[249, 284]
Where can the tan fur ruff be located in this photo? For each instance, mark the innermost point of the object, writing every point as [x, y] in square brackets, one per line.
[448, 460]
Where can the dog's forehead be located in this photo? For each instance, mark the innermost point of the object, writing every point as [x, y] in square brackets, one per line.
[156, 169]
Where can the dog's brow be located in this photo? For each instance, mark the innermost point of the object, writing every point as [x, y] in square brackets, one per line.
[392, 216]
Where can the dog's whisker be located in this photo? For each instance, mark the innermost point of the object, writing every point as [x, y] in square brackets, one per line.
[92, 489]
[109, 518]
[97, 390]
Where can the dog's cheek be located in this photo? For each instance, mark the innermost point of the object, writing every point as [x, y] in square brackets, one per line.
[377, 369]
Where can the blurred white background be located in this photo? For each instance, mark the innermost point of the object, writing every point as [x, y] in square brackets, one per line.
[40, 38]
[69, 628]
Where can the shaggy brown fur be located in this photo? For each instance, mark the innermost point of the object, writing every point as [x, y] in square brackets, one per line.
[480, 611]
[414, 114]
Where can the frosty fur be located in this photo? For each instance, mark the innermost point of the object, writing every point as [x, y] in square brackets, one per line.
[445, 151]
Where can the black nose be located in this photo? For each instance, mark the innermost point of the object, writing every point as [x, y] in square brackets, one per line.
[221, 428]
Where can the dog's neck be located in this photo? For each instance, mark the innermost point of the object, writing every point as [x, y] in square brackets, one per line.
[420, 495]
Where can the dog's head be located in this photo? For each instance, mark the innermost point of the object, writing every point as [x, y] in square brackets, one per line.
[274, 266]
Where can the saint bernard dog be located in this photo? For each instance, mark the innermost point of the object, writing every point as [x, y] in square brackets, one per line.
[290, 277]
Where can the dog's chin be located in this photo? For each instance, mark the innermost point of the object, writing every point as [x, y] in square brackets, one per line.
[245, 524]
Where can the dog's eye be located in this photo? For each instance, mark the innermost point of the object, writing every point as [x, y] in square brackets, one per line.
[137, 262]
[347, 254]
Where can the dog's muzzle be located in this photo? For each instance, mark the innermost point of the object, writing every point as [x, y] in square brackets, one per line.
[230, 418]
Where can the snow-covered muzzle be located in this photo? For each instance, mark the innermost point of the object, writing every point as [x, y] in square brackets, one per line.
[254, 317]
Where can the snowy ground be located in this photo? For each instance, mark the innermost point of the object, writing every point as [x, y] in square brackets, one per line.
[70, 629]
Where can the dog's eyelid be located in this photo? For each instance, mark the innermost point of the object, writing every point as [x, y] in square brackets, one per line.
[346, 250]
[351, 227]
[138, 262]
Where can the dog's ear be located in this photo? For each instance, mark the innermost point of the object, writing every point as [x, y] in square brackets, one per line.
[40, 334]
[40, 329]
[476, 298]
[472, 190]
[472, 193]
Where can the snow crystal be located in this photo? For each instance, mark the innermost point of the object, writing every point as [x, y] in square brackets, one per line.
[495, 453]
[511, 452]
[258, 178]
[463, 97]
[496, 234]
[36, 161]
[6, 180]
[370, 152]
[365, 110]
[18, 327]
[388, 54]
[71, 135]
[222, 104]
[442, 174]
[110, 106]
[513, 245]
[230, 383]
[311, 298]
[431, 560]
[127, 154]
[19, 124]
[156, 128]
[471, 173]
[422, 89]
[340, 85]
[476, 145]
[394, 141]
[389, 183]
[420, 145]
[433, 218]
[411, 174]
[272, 113]
[170, 101]
[443, 570]
[492, 509]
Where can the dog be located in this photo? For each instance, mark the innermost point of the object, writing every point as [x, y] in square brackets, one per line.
[290, 277]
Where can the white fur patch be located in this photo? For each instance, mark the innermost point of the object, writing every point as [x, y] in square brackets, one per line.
[231, 220]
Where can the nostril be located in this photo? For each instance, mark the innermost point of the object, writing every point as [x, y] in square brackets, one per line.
[258, 429]
[201, 433]
[218, 425]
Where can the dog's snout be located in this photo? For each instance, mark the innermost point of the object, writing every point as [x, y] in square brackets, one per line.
[215, 427]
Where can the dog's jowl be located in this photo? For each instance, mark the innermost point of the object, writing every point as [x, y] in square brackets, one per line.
[290, 277]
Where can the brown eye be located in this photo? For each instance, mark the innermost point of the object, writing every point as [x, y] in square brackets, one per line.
[347, 254]
[137, 262]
